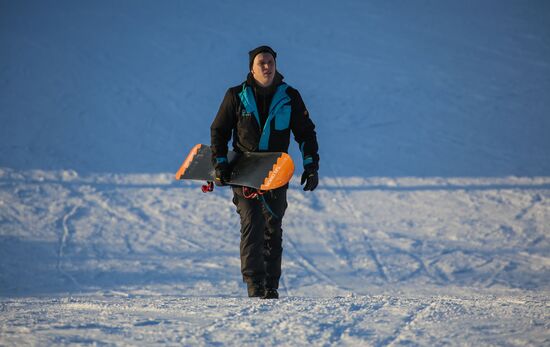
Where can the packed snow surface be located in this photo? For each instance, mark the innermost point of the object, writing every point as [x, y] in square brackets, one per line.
[430, 225]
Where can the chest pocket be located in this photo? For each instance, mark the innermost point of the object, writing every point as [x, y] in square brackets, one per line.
[282, 118]
[244, 115]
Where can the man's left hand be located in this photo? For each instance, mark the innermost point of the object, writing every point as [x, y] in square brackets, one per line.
[311, 178]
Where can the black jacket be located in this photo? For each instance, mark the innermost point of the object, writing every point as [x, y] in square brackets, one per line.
[235, 119]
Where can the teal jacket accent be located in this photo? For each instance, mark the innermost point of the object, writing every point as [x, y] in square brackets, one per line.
[238, 118]
[278, 110]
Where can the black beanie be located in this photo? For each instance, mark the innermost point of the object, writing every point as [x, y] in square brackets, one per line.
[262, 49]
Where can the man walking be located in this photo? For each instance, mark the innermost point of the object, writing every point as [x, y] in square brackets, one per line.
[259, 115]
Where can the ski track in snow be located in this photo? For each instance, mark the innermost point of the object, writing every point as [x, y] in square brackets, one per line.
[63, 243]
[352, 211]
[309, 266]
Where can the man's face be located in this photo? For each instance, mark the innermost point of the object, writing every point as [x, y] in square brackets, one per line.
[263, 69]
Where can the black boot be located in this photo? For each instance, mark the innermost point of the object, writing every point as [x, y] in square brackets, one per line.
[256, 290]
[271, 293]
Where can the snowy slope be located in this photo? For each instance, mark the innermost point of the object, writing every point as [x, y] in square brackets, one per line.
[135, 259]
[430, 225]
[430, 88]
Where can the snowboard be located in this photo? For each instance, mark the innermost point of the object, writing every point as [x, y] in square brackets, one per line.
[259, 170]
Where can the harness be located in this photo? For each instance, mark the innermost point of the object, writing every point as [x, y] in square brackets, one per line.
[251, 193]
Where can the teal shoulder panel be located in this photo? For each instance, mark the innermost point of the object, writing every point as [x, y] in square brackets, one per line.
[279, 99]
[249, 103]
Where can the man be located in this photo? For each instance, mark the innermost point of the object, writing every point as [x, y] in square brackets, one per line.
[259, 114]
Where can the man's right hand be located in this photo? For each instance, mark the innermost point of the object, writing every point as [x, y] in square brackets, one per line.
[223, 174]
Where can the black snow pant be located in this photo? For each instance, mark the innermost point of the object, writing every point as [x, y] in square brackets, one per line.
[261, 235]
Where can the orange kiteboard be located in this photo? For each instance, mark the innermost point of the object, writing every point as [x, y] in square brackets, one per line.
[259, 170]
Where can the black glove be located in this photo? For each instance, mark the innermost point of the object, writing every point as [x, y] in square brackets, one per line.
[223, 174]
[311, 176]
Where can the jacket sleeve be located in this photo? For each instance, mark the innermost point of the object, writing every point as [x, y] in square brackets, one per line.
[222, 128]
[304, 131]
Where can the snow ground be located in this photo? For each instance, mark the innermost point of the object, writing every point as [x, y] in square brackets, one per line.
[343, 321]
[432, 230]
[134, 259]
